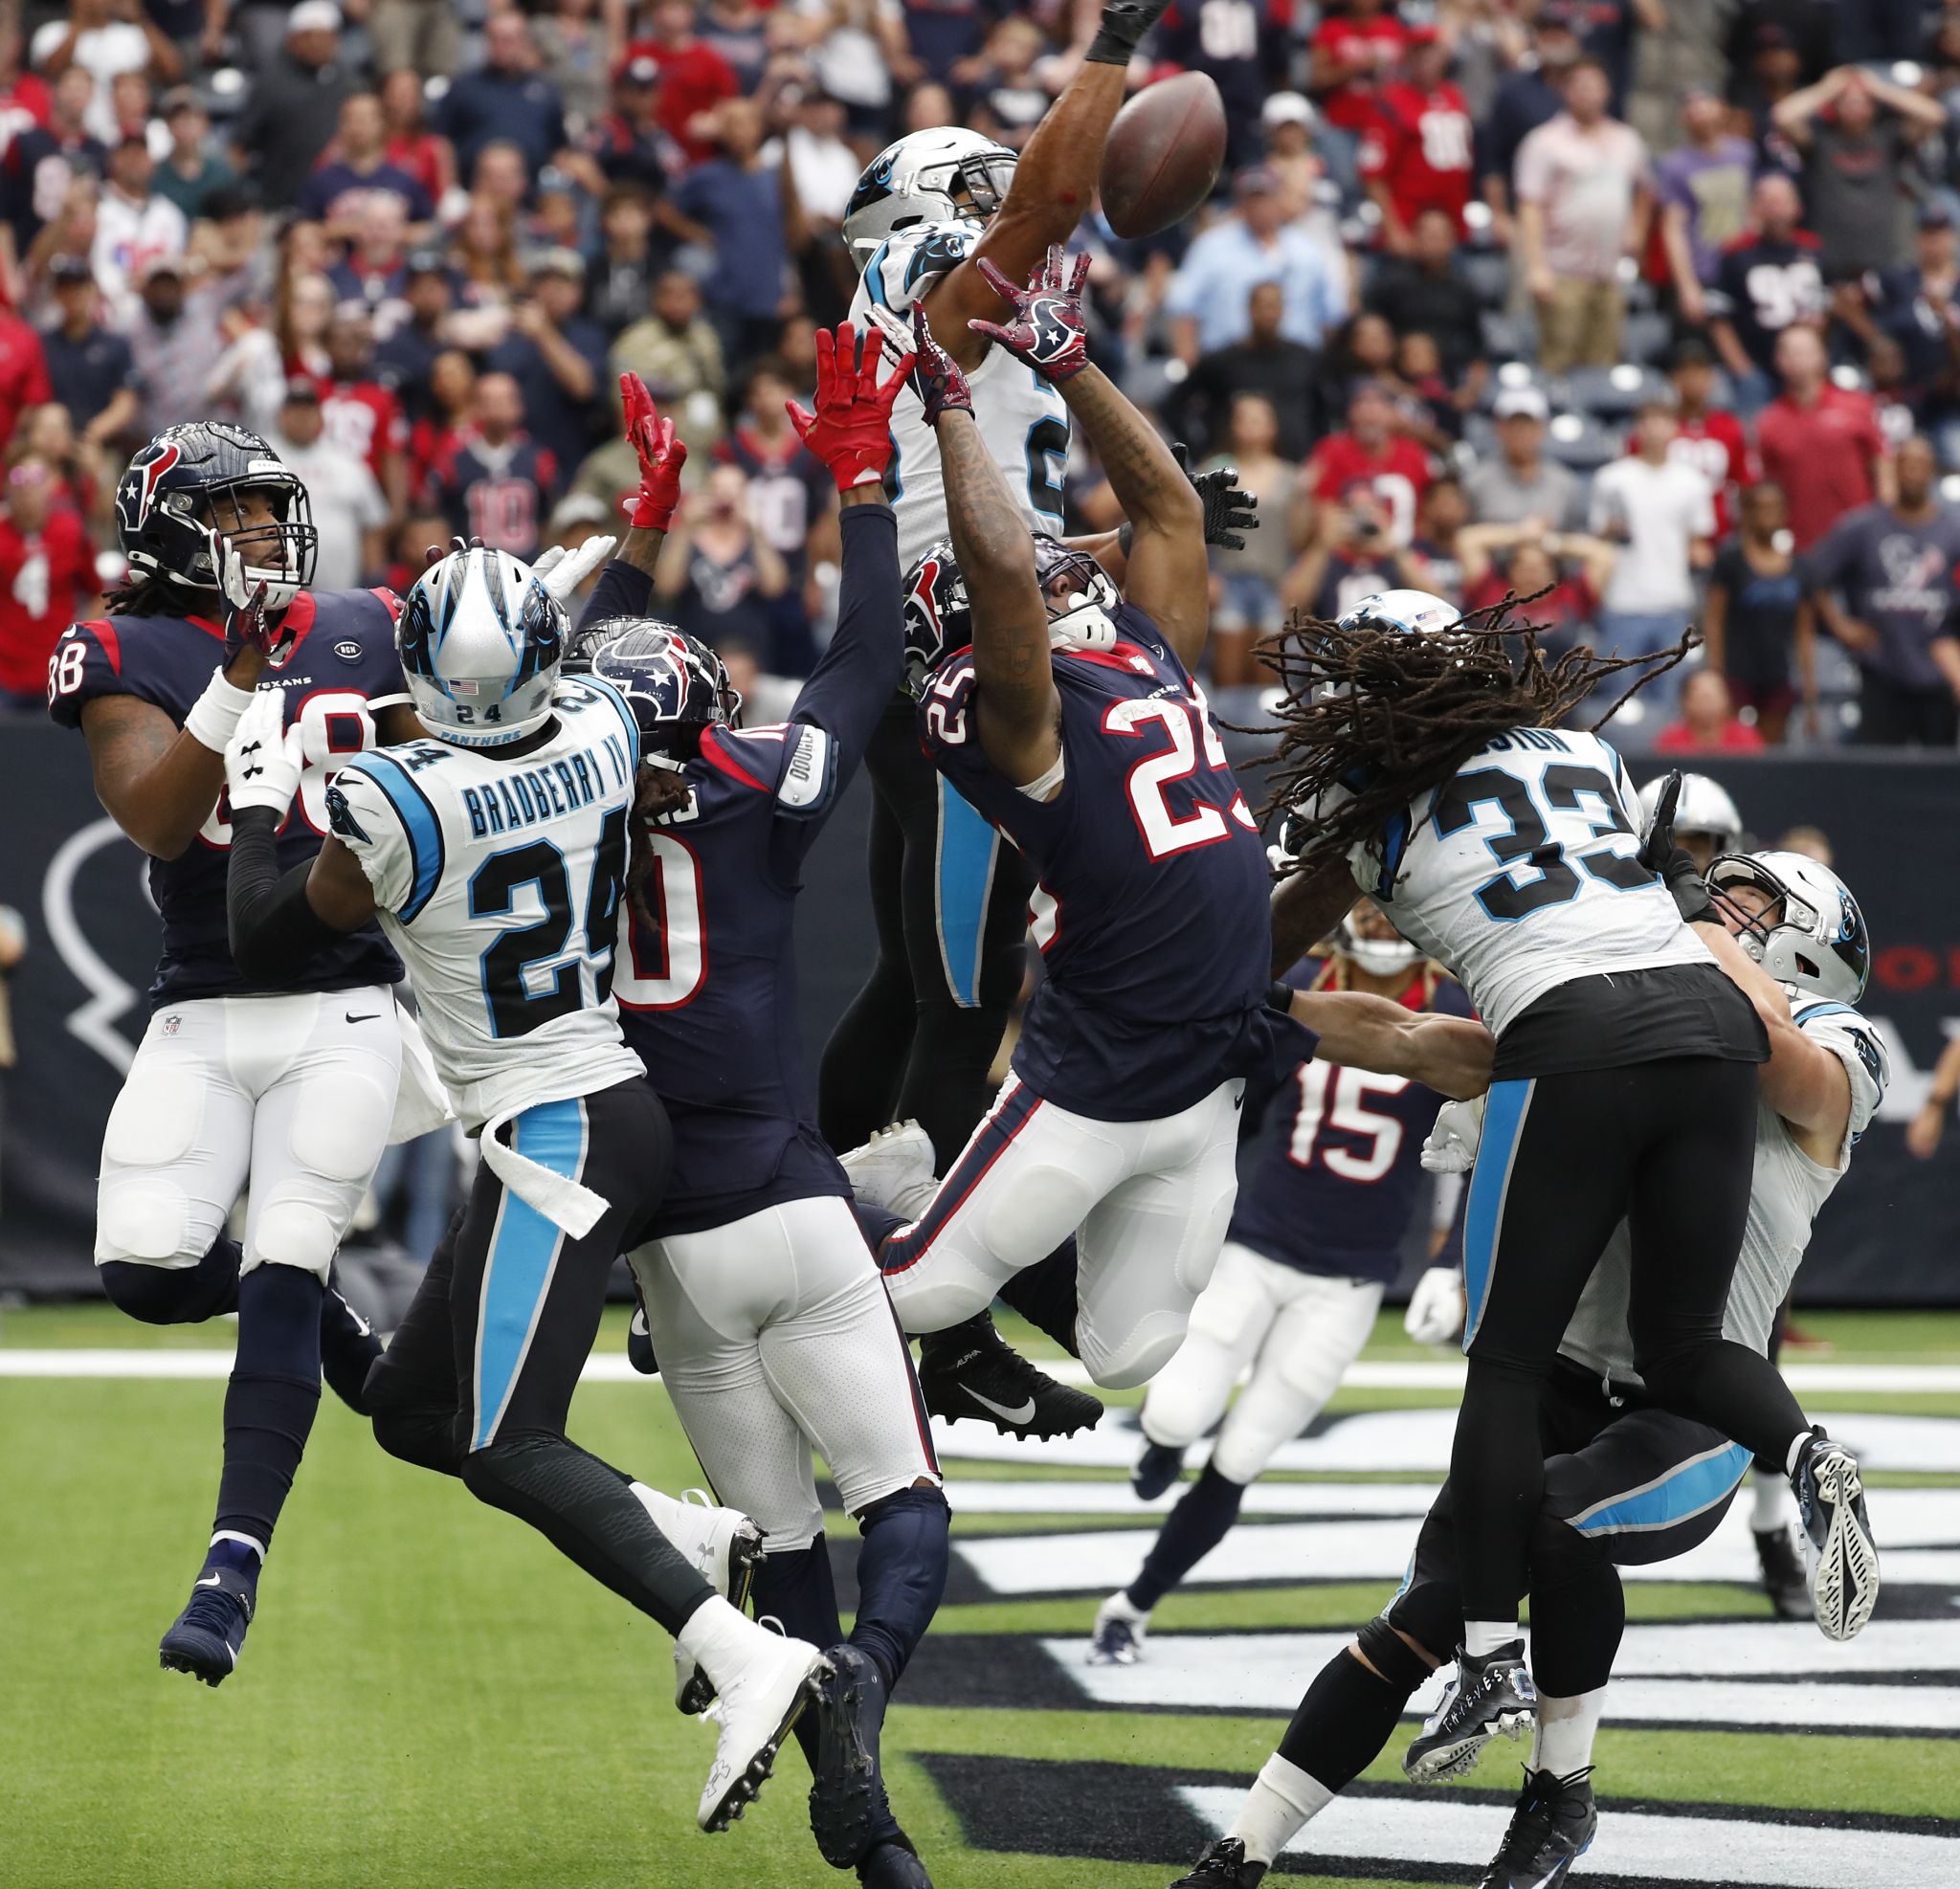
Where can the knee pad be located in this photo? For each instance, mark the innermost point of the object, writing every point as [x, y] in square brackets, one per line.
[425, 1436]
[1139, 1357]
[1243, 1451]
[1559, 1553]
[1393, 1656]
[146, 1218]
[1027, 1220]
[1230, 1306]
[340, 1125]
[156, 1118]
[293, 1232]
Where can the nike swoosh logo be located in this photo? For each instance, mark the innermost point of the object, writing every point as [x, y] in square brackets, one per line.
[367, 1016]
[214, 1582]
[1024, 1414]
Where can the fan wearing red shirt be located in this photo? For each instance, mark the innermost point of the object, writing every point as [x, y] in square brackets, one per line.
[1707, 723]
[1372, 453]
[358, 413]
[1820, 443]
[1712, 439]
[693, 78]
[1417, 155]
[47, 580]
[23, 373]
[1351, 52]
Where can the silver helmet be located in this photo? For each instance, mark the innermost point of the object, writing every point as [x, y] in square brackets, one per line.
[482, 641]
[1812, 936]
[941, 176]
[1705, 808]
[1379, 957]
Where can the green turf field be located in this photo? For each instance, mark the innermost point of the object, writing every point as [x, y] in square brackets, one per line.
[432, 1696]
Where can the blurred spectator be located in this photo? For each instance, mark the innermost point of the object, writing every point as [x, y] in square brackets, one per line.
[493, 481]
[1007, 98]
[403, 360]
[1883, 584]
[1290, 123]
[1802, 27]
[718, 574]
[176, 340]
[360, 415]
[13, 949]
[556, 355]
[1354, 51]
[1417, 154]
[628, 143]
[1918, 307]
[103, 38]
[47, 580]
[1758, 628]
[349, 511]
[677, 353]
[1855, 162]
[193, 172]
[1812, 842]
[734, 202]
[1423, 291]
[1706, 437]
[695, 78]
[1704, 189]
[450, 403]
[789, 494]
[1372, 457]
[1520, 483]
[411, 146]
[823, 165]
[133, 226]
[1606, 34]
[620, 278]
[422, 36]
[91, 370]
[941, 36]
[489, 274]
[1436, 553]
[1533, 95]
[576, 48]
[356, 167]
[1821, 443]
[1265, 363]
[1709, 723]
[1557, 576]
[1769, 279]
[374, 270]
[42, 163]
[1246, 582]
[294, 105]
[1926, 1130]
[1350, 554]
[1583, 204]
[24, 381]
[1207, 298]
[505, 99]
[1243, 45]
[25, 100]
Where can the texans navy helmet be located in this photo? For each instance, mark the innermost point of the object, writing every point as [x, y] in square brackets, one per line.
[939, 619]
[189, 486]
[675, 685]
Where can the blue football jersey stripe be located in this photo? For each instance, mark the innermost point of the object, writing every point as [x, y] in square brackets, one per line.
[419, 823]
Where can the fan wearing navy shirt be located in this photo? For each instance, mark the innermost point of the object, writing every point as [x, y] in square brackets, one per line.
[286, 1086]
[1331, 1189]
[494, 482]
[762, 1301]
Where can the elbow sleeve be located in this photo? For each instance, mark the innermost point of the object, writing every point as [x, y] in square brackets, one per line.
[271, 924]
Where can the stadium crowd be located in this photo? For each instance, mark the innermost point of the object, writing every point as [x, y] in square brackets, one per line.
[1647, 308]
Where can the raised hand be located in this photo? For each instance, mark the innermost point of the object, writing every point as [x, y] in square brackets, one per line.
[661, 457]
[262, 761]
[249, 622]
[1048, 331]
[1229, 508]
[1658, 849]
[936, 376]
[851, 431]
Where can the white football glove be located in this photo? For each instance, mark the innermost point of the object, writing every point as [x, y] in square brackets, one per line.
[1451, 1147]
[1435, 1308]
[562, 571]
[262, 759]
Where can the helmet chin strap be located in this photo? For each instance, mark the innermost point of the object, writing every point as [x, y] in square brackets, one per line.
[1083, 625]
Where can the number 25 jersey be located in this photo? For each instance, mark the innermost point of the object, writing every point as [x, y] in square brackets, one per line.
[498, 881]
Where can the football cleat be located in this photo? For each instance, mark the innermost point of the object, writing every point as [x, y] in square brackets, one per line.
[893, 1169]
[1117, 1638]
[1551, 1829]
[210, 1634]
[970, 1370]
[759, 1702]
[1488, 1697]
[1157, 1469]
[1223, 1866]
[725, 1548]
[847, 1797]
[892, 1863]
[1840, 1556]
[1783, 1575]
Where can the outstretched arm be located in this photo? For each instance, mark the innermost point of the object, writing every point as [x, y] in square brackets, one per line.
[626, 585]
[1448, 1054]
[1305, 909]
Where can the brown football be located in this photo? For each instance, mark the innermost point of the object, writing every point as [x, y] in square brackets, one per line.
[1163, 154]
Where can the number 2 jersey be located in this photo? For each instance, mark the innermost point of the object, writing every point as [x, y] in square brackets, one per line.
[344, 659]
[1151, 910]
[498, 881]
[1022, 420]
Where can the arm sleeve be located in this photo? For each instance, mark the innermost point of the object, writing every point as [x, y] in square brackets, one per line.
[367, 818]
[271, 921]
[620, 591]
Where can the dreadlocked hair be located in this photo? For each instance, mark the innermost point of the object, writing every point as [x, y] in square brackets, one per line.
[1372, 716]
[153, 597]
[658, 792]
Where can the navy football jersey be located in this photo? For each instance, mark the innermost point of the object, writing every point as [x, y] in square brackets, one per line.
[344, 659]
[1336, 1173]
[1151, 910]
[501, 494]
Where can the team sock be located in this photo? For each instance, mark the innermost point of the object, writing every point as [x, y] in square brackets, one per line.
[901, 1570]
[877, 1224]
[271, 1400]
[1775, 1507]
[1283, 1800]
[1481, 1637]
[1563, 1740]
[1202, 1518]
[797, 1588]
[1343, 1724]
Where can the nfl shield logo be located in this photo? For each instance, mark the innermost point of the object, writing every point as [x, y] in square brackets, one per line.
[171, 1025]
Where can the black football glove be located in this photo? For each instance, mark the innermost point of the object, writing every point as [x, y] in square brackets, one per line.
[1125, 22]
[1229, 508]
[1677, 872]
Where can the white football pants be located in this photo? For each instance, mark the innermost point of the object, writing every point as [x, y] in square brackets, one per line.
[774, 1337]
[1298, 1332]
[1148, 1202]
[291, 1096]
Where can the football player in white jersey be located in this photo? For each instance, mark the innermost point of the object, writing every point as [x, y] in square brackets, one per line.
[1630, 1483]
[1426, 756]
[491, 856]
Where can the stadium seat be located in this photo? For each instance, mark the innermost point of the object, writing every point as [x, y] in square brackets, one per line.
[1646, 335]
[1511, 337]
[1488, 272]
[1579, 440]
[1609, 392]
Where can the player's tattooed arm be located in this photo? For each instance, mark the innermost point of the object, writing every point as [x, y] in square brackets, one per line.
[1306, 908]
[1448, 1054]
[158, 783]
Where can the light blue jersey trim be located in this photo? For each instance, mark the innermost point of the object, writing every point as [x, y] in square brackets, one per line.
[963, 879]
[424, 832]
[1687, 1490]
[1490, 1183]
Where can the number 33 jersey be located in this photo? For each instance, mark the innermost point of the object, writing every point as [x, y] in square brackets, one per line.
[498, 881]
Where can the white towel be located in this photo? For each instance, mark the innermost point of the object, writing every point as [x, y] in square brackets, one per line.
[559, 1198]
[421, 1104]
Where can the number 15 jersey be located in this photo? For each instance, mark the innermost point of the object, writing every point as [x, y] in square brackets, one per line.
[499, 882]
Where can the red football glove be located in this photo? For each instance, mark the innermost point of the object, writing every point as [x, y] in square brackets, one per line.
[1048, 331]
[661, 457]
[851, 431]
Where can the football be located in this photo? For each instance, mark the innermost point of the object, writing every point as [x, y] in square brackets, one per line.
[1163, 154]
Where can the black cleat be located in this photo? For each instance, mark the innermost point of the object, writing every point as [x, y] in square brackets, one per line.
[1488, 1697]
[892, 1863]
[1551, 1829]
[847, 1800]
[1783, 1575]
[970, 1370]
[639, 1338]
[1223, 1866]
[210, 1634]
[1840, 1558]
[1157, 1469]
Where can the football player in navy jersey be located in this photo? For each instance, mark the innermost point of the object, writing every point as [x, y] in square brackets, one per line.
[1066, 713]
[765, 1306]
[283, 1084]
[1315, 1240]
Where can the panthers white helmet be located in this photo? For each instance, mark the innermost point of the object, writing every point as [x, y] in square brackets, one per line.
[1813, 937]
[1703, 808]
[1379, 957]
[938, 176]
[1420, 612]
[481, 640]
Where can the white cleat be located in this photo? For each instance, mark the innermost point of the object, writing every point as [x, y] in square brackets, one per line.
[763, 1683]
[1840, 1556]
[893, 1169]
[724, 1546]
[1118, 1637]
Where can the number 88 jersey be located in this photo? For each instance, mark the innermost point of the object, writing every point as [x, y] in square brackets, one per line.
[1519, 873]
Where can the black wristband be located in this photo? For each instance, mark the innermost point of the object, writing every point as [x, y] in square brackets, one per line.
[1692, 898]
[274, 928]
[1280, 997]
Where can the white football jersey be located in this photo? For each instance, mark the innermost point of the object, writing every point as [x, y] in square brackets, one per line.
[1022, 420]
[499, 882]
[1519, 873]
[1787, 1191]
